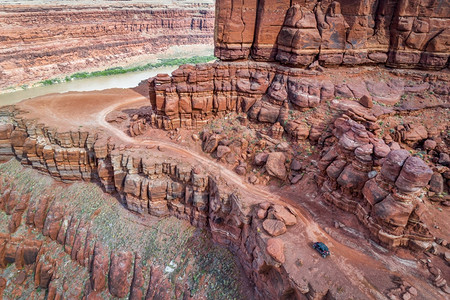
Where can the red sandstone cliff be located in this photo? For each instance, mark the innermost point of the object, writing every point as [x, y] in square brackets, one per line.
[360, 166]
[40, 42]
[400, 33]
[331, 33]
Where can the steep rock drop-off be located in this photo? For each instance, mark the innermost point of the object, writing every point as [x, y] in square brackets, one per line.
[400, 33]
[265, 156]
[90, 246]
[378, 138]
[40, 41]
[169, 180]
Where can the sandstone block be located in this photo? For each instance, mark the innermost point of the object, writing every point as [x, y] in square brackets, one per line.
[275, 248]
[393, 164]
[274, 227]
[393, 212]
[414, 175]
[275, 165]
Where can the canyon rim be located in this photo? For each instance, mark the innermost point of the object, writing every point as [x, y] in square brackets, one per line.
[320, 121]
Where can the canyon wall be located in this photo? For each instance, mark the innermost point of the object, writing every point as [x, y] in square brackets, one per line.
[358, 165]
[194, 95]
[149, 181]
[304, 107]
[74, 251]
[46, 41]
[305, 104]
[401, 33]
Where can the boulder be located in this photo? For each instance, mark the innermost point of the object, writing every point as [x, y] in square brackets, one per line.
[275, 165]
[429, 144]
[269, 113]
[261, 158]
[274, 227]
[222, 151]
[298, 129]
[393, 164]
[437, 183]
[241, 170]
[366, 101]
[380, 149]
[279, 212]
[414, 175]
[211, 142]
[261, 214]
[444, 159]
[373, 193]
[335, 168]
[352, 178]
[415, 133]
[296, 178]
[275, 248]
[353, 139]
[364, 152]
[296, 165]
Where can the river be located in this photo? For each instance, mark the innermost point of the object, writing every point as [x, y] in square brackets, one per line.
[127, 80]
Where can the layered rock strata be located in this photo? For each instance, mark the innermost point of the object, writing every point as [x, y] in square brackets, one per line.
[93, 37]
[193, 95]
[272, 94]
[51, 244]
[150, 182]
[383, 188]
[401, 33]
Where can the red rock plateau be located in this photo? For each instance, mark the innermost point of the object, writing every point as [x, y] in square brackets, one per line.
[321, 121]
[40, 41]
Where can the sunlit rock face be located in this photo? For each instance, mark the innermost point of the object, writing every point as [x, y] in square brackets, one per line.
[400, 33]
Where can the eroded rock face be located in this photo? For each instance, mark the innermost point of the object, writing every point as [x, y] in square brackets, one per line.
[120, 268]
[268, 92]
[94, 36]
[99, 269]
[401, 33]
[146, 184]
[385, 202]
[275, 248]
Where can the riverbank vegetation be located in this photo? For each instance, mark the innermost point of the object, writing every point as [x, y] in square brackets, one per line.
[166, 62]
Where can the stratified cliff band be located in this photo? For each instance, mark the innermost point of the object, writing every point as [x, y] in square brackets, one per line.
[46, 41]
[400, 33]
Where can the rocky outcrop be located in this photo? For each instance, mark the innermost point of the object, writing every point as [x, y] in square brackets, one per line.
[93, 36]
[6, 150]
[383, 188]
[331, 33]
[268, 93]
[401, 33]
[147, 184]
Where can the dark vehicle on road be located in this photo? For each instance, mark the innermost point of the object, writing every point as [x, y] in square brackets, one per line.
[322, 249]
